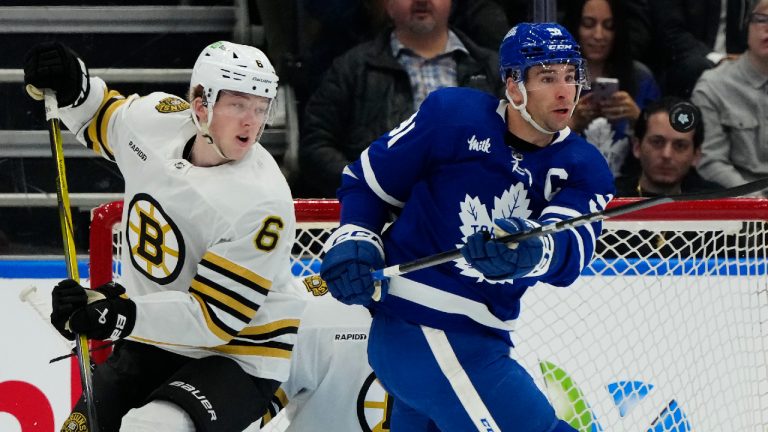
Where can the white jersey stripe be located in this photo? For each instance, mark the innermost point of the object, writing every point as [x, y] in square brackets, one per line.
[565, 211]
[370, 179]
[444, 301]
[459, 380]
[580, 243]
[347, 171]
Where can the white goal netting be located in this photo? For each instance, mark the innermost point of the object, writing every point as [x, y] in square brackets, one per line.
[667, 330]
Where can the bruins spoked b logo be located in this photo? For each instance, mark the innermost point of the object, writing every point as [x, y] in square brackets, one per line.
[374, 406]
[155, 242]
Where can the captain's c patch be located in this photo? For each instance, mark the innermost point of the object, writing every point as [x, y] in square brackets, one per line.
[172, 104]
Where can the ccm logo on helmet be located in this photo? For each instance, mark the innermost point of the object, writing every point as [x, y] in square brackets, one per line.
[558, 47]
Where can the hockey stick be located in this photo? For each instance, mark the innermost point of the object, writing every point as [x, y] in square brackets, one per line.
[444, 257]
[42, 307]
[67, 234]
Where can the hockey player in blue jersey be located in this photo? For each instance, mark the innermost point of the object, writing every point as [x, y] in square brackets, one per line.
[462, 170]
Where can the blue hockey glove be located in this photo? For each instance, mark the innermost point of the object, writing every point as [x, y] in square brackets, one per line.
[497, 260]
[111, 316]
[347, 268]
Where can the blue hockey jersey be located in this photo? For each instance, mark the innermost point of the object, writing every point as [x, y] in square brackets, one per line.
[449, 171]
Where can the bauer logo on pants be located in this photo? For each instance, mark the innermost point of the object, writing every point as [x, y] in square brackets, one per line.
[155, 242]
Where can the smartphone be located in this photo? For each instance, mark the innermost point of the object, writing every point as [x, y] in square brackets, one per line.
[604, 88]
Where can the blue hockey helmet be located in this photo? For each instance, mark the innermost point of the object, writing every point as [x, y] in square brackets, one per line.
[530, 44]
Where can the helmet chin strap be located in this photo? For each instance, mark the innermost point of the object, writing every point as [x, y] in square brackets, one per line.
[203, 128]
[524, 112]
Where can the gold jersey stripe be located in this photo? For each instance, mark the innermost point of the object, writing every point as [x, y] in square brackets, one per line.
[269, 327]
[267, 417]
[237, 269]
[223, 298]
[154, 342]
[212, 326]
[282, 397]
[97, 129]
[90, 132]
[105, 122]
[254, 351]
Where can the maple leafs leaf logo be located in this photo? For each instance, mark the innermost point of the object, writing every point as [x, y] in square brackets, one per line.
[601, 134]
[474, 217]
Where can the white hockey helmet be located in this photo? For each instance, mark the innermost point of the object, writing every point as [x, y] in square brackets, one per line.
[229, 66]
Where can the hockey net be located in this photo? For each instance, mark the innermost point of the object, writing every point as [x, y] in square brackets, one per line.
[667, 330]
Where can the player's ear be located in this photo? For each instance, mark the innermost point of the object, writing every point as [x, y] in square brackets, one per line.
[200, 110]
[513, 92]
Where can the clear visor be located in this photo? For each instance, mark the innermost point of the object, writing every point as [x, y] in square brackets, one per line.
[543, 76]
[238, 105]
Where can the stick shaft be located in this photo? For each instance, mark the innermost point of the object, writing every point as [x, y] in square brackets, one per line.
[68, 239]
[444, 257]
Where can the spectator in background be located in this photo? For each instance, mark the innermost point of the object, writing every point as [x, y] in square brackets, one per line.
[667, 156]
[382, 82]
[601, 30]
[308, 34]
[695, 35]
[734, 103]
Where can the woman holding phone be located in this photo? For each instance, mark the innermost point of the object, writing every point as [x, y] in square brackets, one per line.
[621, 86]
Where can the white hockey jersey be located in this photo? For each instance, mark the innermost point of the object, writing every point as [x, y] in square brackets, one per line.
[203, 246]
[331, 386]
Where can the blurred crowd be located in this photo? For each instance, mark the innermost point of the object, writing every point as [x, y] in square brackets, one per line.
[658, 54]
[361, 67]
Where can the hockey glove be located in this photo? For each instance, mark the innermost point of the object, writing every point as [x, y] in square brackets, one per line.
[67, 296]
[347, 268]
[101, 313]
[111, 316]
[497, 260]
[55, 66]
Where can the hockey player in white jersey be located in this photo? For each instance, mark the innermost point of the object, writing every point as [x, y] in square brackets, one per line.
[206, 330]
[462, 170]
[331, 386]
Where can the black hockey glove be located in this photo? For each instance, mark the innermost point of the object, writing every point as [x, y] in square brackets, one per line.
[67, 296]
[112, 316]
[55, 66]
[99, 314]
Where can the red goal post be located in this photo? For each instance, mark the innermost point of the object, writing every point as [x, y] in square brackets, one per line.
[666, 331]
